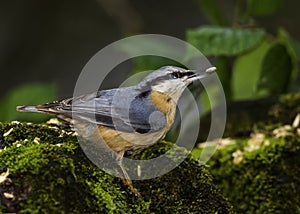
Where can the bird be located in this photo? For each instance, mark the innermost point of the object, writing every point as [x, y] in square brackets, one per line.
[127, 118]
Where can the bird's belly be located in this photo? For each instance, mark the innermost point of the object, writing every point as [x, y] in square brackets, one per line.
[122, 141]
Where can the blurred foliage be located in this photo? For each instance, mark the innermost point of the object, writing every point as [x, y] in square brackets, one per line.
[263, 7]
[252, 63]
[259, 64]
[31, 94]
[269, 70]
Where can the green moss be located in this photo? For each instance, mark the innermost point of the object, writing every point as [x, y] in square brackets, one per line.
[260, 177]
[186, 189]
[260, 180]
[49, 173]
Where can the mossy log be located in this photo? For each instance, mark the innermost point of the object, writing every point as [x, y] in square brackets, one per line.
[259, 172]
[44, 170]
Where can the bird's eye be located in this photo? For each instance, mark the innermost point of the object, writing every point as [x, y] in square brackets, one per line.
[175, 75]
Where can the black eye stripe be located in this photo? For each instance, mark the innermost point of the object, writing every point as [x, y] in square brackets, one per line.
[158, 80]
[177, 74]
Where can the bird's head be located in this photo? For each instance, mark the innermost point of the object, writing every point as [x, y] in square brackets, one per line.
[172, 81]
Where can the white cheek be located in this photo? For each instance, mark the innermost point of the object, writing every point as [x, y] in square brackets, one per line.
[171, 88]
[163, 88]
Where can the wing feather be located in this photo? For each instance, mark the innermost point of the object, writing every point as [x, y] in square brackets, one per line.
[116, 109]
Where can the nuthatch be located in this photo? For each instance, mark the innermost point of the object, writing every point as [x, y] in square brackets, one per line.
[127, 118]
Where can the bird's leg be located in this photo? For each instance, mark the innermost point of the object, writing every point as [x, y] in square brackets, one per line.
[127, 179]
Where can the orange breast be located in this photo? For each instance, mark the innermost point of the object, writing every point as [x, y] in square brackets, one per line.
[166, 105]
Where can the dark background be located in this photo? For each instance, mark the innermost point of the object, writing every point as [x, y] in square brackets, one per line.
[50, 41]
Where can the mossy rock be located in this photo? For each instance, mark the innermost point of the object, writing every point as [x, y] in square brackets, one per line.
[260, 174]
[258, 169]
[47, 172]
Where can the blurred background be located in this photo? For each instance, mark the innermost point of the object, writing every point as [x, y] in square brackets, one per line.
[45, 44]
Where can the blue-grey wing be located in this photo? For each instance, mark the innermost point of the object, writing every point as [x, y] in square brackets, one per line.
[124, 110]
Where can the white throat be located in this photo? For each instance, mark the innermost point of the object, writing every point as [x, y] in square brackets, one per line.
[171, 88]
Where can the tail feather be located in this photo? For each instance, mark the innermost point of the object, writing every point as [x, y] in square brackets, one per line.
[54, 109]
[27, 109]
[48, 108]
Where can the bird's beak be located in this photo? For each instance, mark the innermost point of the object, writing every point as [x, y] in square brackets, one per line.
[199, 74]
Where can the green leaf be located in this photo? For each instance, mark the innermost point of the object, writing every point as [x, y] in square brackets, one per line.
[31, 94]
[246, 72]
[291, 46]
[276, 69]
[213, 13]
[263, 7]
[225, 41]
